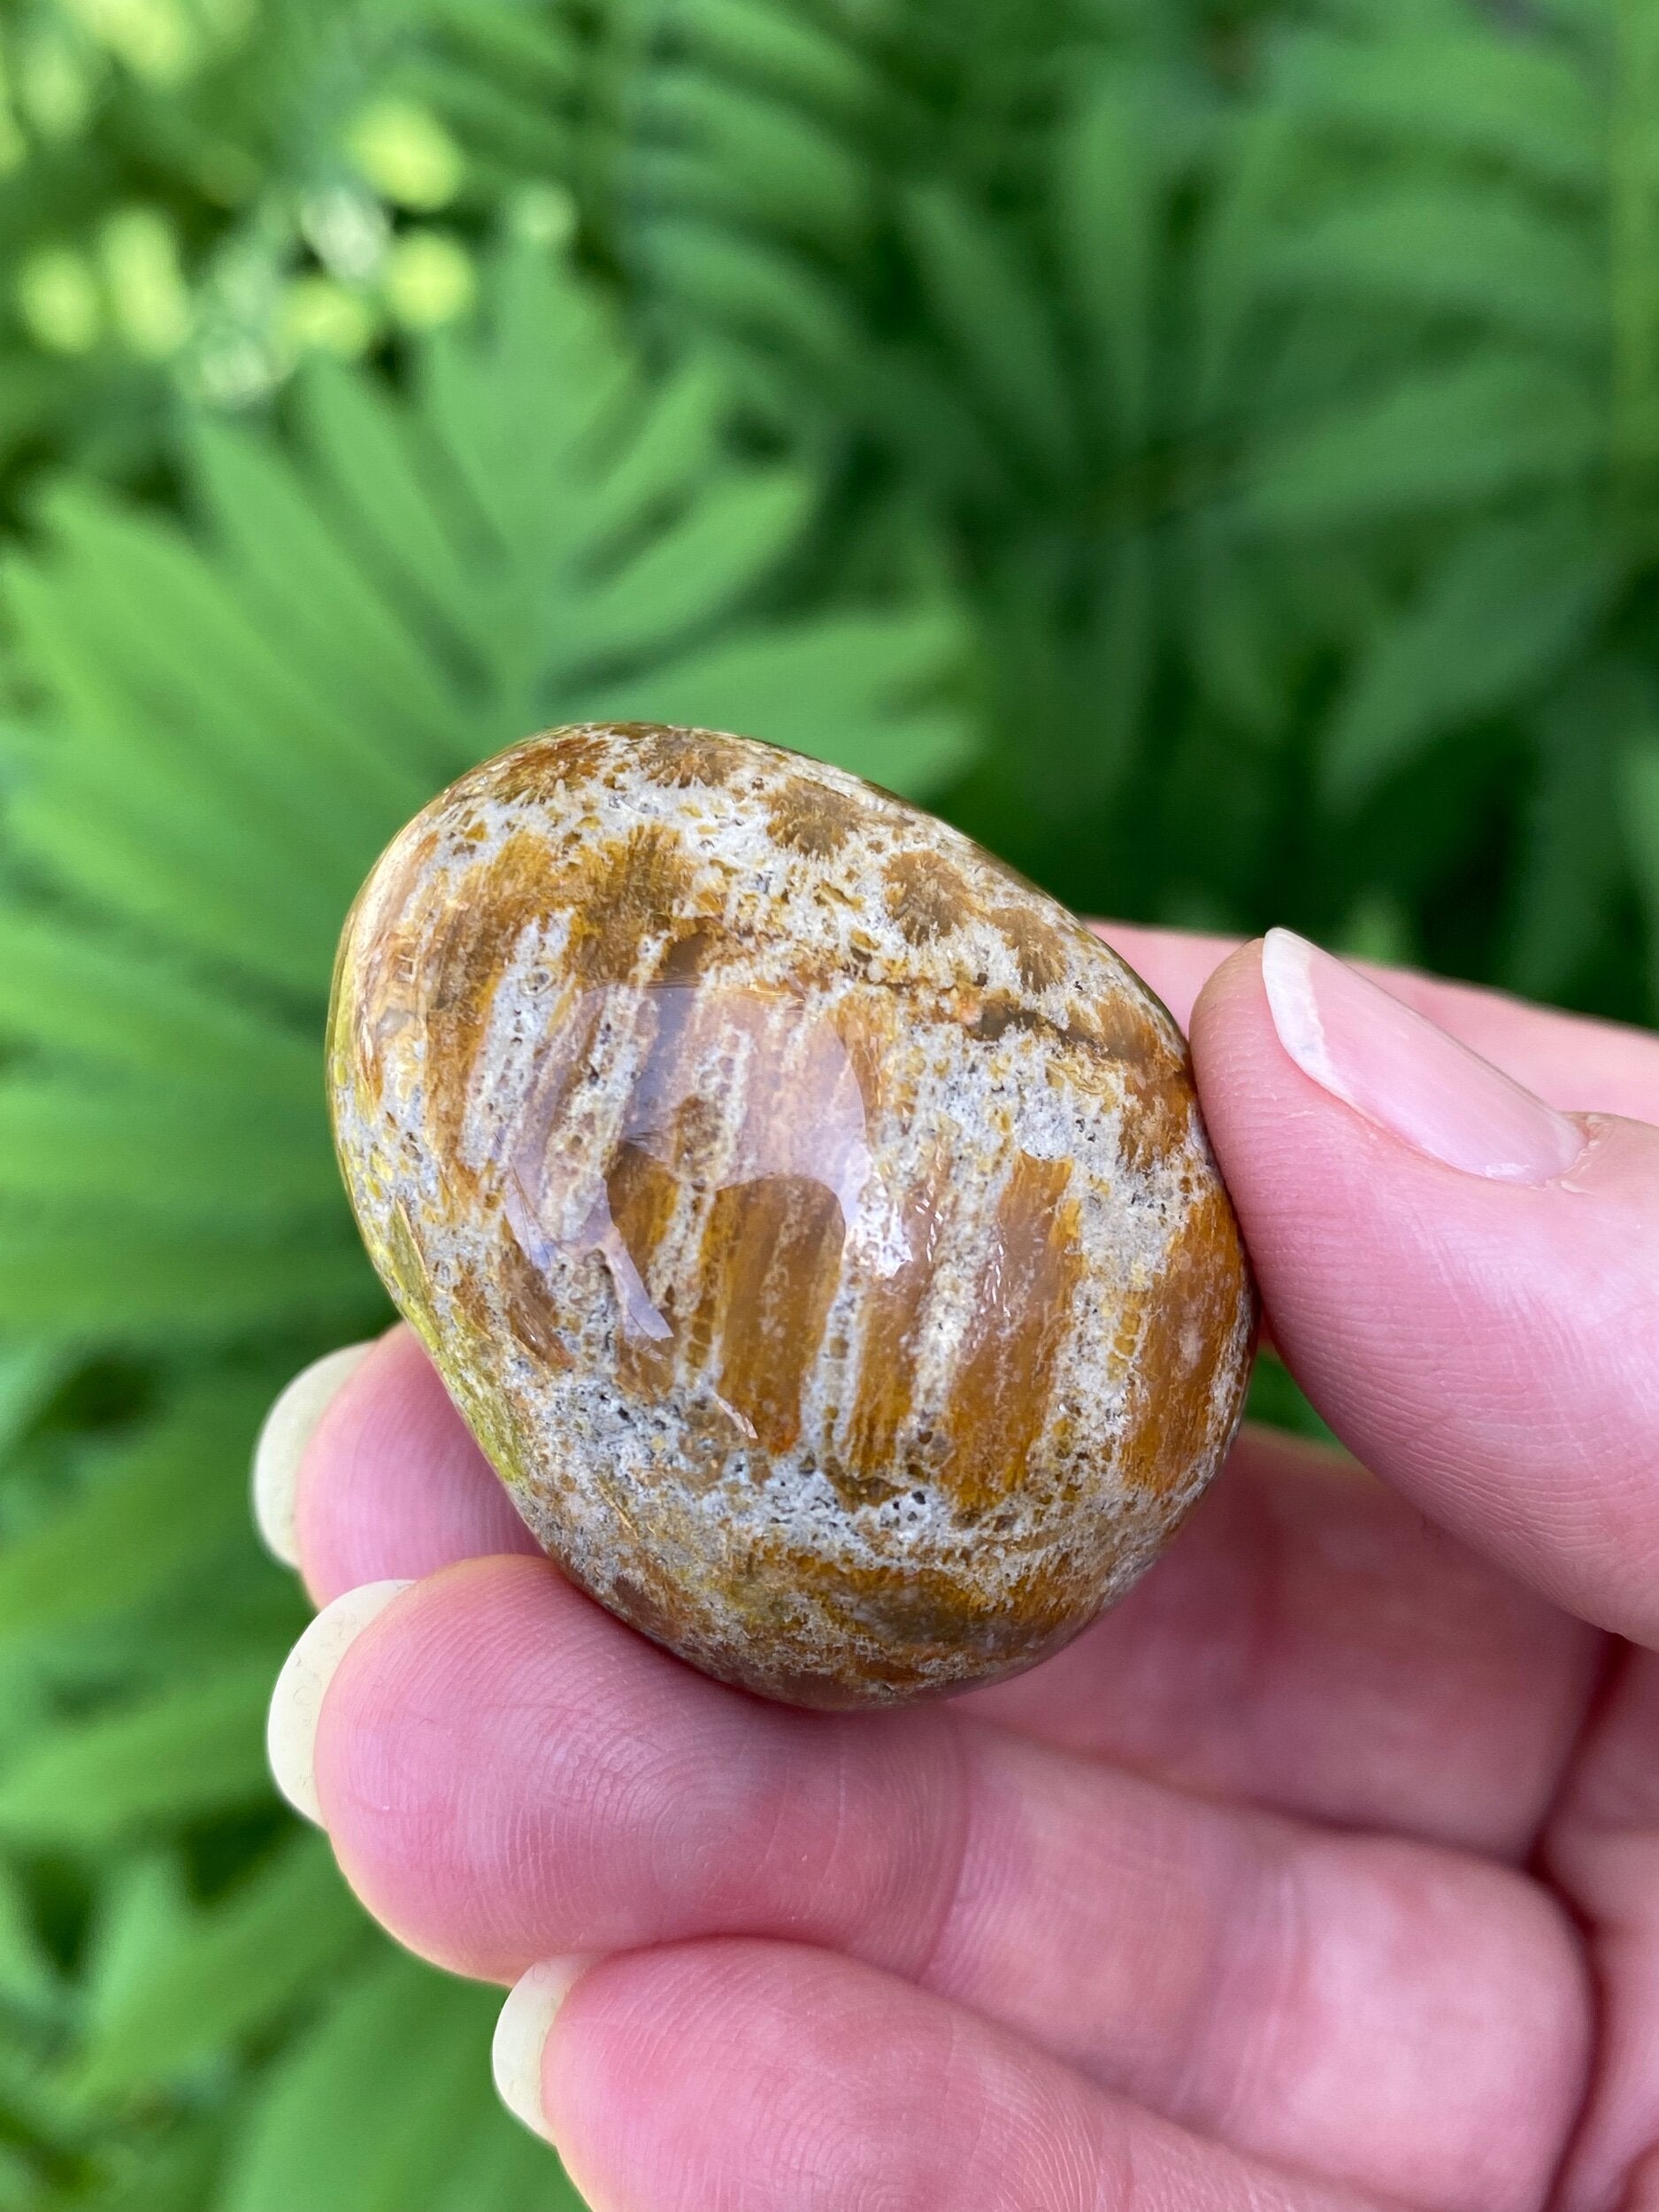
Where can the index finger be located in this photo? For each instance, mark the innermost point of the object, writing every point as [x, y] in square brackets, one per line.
[1463, 1279]
[1577, 1064]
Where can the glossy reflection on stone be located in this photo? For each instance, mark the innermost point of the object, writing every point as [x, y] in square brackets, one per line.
[813, 1220]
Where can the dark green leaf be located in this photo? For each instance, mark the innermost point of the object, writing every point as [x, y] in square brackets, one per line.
[237, 1967]
[1437, 440]
[1452, 250]
[196, 1748]
[149, 1511]
[1495, 621]
[367, 2113]
[998, 326]
[1470, 90]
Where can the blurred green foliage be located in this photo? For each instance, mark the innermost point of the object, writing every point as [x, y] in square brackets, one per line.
[1211, 450]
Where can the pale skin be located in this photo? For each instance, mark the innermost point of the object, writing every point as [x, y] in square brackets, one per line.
[1322, 1871]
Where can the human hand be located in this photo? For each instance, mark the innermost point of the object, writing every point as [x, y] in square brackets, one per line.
[1323, 1870]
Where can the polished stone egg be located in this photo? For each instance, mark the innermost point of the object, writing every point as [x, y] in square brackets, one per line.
[811, 1219]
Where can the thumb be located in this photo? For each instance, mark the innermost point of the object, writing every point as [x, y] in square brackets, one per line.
[1464, 1281]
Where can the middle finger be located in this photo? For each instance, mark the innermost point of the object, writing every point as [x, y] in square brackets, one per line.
[508, 1773]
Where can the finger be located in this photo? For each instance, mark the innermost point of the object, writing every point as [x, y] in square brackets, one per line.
[1575, 1063]
[776, 2078]
[391, 1485]
[506, 1773]
[1309, 1641]
[1603, 1849]
[1465, 1283]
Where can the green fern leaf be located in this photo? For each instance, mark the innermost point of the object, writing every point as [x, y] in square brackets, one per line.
[173, 859]
[1639, 781]
[656, 460]
[137, 1284]
[731, 152]
[1437, 440]
[303, 585]
[1568, 877]
[219, 1153]
[1263, 165]
[536, 49]
[147, 1513]
[1480, 94]
[99, 1001]
[691, 573]
[336, 2129]
[783, 51]
[996, 326]
[246, 701]
[197, 1749]
[737, 286]
[1108, 210]
[934, 431]
[509, 132]
[1453, 251]
[511, 417]
[454, 566]
[232, 1971]
[410, 524]
[1495, 620]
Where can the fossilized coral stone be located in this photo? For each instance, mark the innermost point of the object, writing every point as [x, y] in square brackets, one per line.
[811, 1219]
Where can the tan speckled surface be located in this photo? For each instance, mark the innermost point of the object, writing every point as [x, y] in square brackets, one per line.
[813, 1220]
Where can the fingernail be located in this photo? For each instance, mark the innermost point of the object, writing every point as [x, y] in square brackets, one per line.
[1401, 1073]
[521, 2033]
[288, 1428]
[296, 1702]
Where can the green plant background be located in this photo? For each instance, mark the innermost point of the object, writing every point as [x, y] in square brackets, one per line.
[1211, 451]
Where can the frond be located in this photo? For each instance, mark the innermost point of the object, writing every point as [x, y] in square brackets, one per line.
[995, 321]
[1452, 250]
[1436, 440]
[301, 582]
[1111, 209]
[234, 1967]
[335, 2130]
[1494, 622]
[195, 1749]
[237, 725]
[783, 51]
[1638, 782]
[1469, 93]
[734, 287]
[240, 1156]
[697, 570]
[146, 1514]
[100, 1001]
[1567, 879]
[726, 150]
[160, 1282]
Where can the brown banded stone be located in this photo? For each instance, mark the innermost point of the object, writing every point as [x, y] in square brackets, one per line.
[813, 1220]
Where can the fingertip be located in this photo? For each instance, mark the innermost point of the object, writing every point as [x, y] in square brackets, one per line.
[281, 1444]
[1233, 982]
[1460, 1276]
[518, 2048]
[391, 1482]
[296, 1701]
